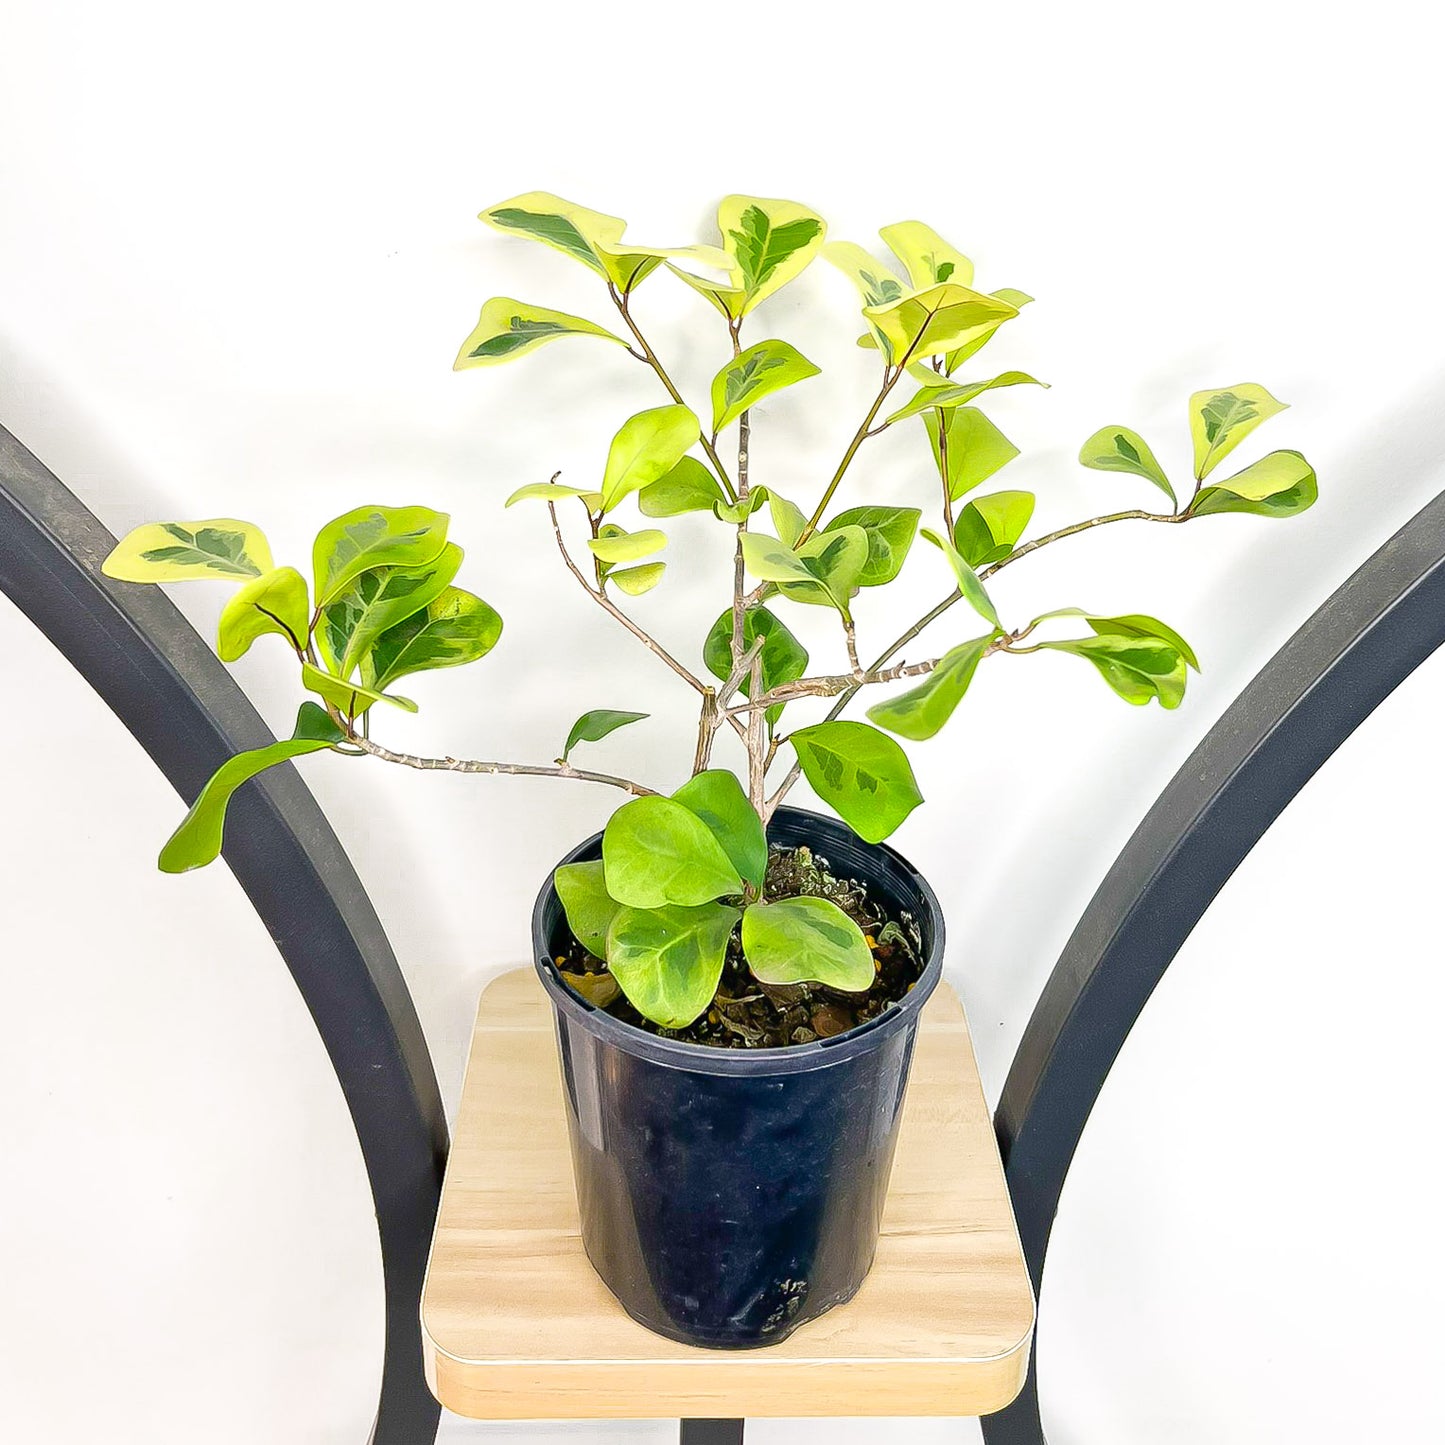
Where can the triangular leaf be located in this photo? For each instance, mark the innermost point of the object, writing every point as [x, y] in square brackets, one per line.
[509, 328]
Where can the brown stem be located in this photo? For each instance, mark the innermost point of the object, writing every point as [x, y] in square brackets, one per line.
[463, 765]
[757, 743]
[707, 722]
[600, 597]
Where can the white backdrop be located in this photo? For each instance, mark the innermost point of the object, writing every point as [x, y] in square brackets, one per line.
[237, 254]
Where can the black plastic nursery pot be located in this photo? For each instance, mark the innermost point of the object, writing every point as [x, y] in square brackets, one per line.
[729, 1196]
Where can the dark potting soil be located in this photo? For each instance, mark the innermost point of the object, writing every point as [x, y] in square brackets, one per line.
[747, 1014]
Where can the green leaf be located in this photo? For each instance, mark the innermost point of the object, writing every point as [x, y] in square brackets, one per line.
[822, 572]
[646, 447]
[877, 285]
[220, 547]
[718, 799]
[736, 512]
[971, 446]
[806, 940]
[371, 537]
[620, 546]
[945, 395]
[926, 256]
[376, 601]
[590, 908]
[593, 726]
[669, 961]
[920, 712]
[658, 852]
[972, 342]
[771, 241]
[766, 243]
[509, 328]
[968, 583]
[1220, 420]
[636, 580]
[759, 371]
[349, 698]
[1281, 484]
[688, 487]
[1139, 669]
[275, 602]
[552, 492]
[890, 532]
[861, 774]
[1117, 449]
[198, 840]
[1133, 624]
[591, 237]
[988, 528]
[783, 658]
[925, 323]
[788, 519]
[452, 629]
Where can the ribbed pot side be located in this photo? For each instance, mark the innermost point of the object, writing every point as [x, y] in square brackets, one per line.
[729, 1196]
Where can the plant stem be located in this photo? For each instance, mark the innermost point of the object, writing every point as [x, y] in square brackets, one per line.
[623, 304]
[463, 765]
[934, 613]
[600, 597]
[890, 380]
[757, 744]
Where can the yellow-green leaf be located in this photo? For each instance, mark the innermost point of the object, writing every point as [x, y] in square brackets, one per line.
[553, 492]
[1281, 484]
[1118, 449]
[636, 580]
[968, 450]
[622, 546]
[806, 940]
[375, 601]
[822, 572]
[454, 628]
[591, 237]
[759, 371]
[669, 961]
[920, 712]
[925, 323]
[368, 537]
[989, 528]
[890, 532]
[509, 328]
[770, 242]
[1220, 419]
[1139, 669]
[646, 447]
[926, 256]
[861, 773]
[972, 342]
[218, 548]
[351, 699]
[968, 584]
[876, 284]
[945, 395]
[276, 602]
[688, 487]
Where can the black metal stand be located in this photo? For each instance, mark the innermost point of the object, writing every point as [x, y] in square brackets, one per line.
[1361, 644]
[712, 1432]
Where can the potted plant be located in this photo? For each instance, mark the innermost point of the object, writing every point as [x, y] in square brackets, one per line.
[737, 983]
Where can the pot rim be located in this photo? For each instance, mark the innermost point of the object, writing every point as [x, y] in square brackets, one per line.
[792, 1058]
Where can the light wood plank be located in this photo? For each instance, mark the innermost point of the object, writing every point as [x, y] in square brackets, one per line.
[517, 1325]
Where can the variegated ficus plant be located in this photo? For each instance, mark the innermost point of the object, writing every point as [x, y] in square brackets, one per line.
[683, 873]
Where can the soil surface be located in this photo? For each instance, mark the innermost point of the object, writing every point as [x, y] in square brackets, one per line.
[747, 1014]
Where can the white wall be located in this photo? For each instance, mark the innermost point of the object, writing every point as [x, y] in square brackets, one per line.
[237, 254]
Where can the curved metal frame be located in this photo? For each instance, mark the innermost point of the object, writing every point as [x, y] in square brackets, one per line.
[1361, 644]
[167, 687]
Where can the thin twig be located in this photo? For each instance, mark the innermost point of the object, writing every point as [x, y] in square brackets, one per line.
[465, 765]
[624, 307]
[600, 597]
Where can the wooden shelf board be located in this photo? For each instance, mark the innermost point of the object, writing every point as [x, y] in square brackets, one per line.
[517, 1325]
